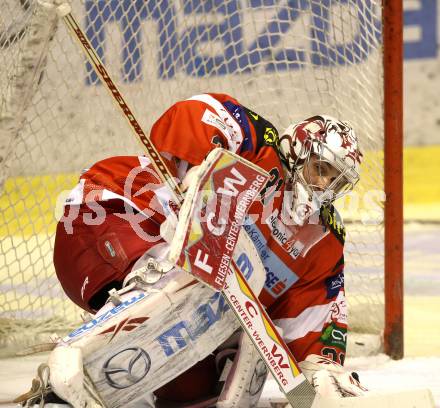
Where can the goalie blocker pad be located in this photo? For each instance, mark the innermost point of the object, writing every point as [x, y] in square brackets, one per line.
[136, 347]
[212, 214]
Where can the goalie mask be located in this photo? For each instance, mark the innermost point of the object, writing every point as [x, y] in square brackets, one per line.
[322, 157]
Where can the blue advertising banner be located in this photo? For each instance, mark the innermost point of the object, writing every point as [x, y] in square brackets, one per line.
[423, 19]
[179, 50]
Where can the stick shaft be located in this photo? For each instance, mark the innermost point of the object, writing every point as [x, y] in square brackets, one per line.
[156, 159]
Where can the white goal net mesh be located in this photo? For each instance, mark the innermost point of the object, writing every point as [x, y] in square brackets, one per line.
[285, 59]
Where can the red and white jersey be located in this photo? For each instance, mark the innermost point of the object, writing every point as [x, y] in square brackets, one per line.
[304, 288]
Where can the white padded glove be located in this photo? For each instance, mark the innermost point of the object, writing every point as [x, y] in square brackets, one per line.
[330, 379]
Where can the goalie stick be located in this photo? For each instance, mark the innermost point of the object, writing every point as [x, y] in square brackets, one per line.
[298, 391]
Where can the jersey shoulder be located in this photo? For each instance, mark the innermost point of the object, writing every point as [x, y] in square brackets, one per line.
[191, 128]
[258, 132]
[266, 132]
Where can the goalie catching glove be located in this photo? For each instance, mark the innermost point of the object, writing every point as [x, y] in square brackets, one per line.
[330, 379]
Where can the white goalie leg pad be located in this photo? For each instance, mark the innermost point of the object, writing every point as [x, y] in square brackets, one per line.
[244, 377]
[150, 339]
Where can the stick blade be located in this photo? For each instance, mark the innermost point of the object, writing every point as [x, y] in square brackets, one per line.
[302, 396]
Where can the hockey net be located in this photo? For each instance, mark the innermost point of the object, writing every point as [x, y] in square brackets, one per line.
[286, 60]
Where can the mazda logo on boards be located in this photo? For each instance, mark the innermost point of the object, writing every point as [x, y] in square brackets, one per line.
[127, 367]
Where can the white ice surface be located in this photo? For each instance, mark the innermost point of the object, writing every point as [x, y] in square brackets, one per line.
[378, 373]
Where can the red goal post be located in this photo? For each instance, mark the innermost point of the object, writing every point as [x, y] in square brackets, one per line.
[286, 60]
[393, 174]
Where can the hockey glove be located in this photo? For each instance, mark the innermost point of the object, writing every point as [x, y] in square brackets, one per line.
[330, 379]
